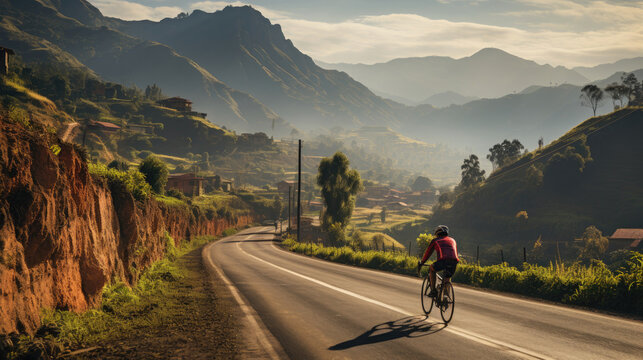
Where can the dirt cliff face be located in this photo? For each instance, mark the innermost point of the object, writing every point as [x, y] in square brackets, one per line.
[64, 234]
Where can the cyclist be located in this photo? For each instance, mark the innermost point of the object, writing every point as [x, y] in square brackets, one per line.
[447, 253]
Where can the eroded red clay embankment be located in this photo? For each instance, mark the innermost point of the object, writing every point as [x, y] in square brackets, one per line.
[64, 235]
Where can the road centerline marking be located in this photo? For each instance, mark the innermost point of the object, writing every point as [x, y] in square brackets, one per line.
[517, 350]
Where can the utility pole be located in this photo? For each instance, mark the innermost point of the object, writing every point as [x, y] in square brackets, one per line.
[289, 212]
[299, 195]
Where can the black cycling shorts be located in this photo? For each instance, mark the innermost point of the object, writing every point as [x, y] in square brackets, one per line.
[448, 265]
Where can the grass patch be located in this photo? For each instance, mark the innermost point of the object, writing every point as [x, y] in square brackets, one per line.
[147, 316]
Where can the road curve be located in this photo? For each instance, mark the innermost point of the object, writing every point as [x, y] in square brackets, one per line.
[321, 310]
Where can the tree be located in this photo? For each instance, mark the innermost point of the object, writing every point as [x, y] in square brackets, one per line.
[631, 85]
[471, 173]
[155, 172]
[505, 153]
[618, 93]
[339, 185]
[383, 215]
[422, 183]
[370, 218]
[591, 97]
[594, 243]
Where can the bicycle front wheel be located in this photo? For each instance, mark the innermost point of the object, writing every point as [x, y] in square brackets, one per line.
[447, 303]
[427, 301]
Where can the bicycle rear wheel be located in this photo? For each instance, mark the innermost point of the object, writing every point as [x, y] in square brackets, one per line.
[447, 303]
[427, 301]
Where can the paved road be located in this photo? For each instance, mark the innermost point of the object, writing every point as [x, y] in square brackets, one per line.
[318, 309]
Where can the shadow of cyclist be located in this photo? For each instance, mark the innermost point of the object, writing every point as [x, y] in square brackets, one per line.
[411, 327]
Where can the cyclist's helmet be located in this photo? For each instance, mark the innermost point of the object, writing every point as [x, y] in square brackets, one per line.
[441, 230]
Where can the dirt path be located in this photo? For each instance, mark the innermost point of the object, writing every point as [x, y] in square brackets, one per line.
[65, 135]
[199, 321]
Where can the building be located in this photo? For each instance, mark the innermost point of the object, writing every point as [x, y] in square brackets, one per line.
[4, 53]
[630, 239]
[188, 184]
[177, 103]
[216, 182]
[102, 126]
[283, 186]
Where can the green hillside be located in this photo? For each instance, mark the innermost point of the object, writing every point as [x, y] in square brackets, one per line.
[39, 32]
[590, 176]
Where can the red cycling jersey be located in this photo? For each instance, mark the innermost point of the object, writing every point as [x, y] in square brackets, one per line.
[444, 247]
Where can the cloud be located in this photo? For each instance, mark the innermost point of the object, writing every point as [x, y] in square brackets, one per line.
[127, 10]
[558, 32]
[380, 38]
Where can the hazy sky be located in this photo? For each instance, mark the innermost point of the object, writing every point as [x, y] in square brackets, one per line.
[558, 32]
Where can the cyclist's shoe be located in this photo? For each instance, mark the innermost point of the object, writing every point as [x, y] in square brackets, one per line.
[433, 293]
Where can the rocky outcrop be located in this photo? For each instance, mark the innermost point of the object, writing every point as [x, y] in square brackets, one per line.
[65, 234]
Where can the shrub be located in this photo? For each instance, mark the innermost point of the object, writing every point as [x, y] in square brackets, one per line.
[593, 285]
[155, 172]
[132, 180]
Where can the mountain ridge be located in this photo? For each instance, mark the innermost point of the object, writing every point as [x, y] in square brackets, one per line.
[244, 49]
[122, 58]
[417, 78]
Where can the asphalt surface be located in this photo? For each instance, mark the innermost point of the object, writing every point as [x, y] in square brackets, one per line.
[320, 310]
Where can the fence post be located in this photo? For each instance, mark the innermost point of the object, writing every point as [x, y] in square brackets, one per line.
[409, 248]
[478, 254]
[524, 254]
[502, 257]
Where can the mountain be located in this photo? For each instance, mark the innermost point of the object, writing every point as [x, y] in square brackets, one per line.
[489, 73]
[605, 70]
[38, 31]
[477, 125]
[246, 51]
[589, 176]
[447, 98]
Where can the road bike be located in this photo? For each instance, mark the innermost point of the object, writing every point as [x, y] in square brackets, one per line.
[443, 300]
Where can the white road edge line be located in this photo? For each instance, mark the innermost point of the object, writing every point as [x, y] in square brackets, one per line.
[248, 311]
[457, 331]
[481, 292]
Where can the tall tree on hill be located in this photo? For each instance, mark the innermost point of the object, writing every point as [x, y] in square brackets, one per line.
[591, 97]
[339, 185]
[471, 173]
[504, 153]
[634, 88]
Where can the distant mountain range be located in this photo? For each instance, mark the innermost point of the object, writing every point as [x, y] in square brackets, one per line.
[602, 71]
[447, 98]
[489, 73]
[239, 68]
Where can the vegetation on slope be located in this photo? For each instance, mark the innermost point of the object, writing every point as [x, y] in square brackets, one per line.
[590, 176]
[595, 285]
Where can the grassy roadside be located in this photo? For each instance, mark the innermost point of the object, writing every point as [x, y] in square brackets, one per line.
[172, 312]
[593, 285]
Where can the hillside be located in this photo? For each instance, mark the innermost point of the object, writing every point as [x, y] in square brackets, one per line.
[489, 73]
[39, 32]
[246, 51]
[589, 176]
